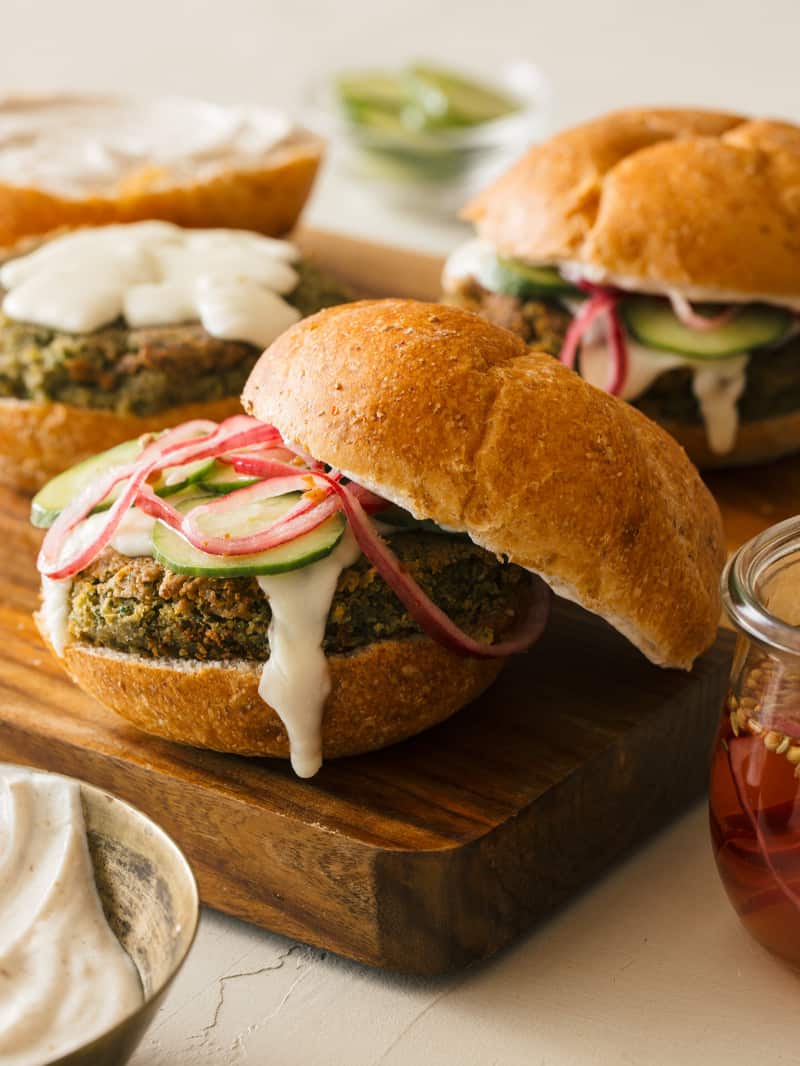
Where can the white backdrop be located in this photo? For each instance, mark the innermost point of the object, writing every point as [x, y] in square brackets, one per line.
[599, 54]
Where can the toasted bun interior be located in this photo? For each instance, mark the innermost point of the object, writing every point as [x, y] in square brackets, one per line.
[696, 200]
[458, 421]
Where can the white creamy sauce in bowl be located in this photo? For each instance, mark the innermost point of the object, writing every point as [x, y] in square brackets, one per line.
[156, 274]
[77, 146]
[64, 977]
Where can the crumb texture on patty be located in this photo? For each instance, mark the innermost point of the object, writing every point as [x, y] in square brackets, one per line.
[136, 605]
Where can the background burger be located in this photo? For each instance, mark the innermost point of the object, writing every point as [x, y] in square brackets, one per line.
[658, 252]
[355, 561]
[132, 325]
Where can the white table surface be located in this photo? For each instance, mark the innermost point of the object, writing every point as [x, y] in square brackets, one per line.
[649, 966]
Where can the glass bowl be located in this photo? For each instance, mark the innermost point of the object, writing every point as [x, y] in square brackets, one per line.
[150, 900]
[435, 171]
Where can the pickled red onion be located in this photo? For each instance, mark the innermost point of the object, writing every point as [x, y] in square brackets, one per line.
[173, 449]
[600, 302]
[692, 319]
[170, 449]
[432, 619]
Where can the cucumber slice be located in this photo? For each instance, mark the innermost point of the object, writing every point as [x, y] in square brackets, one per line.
[51, 500]
[651, 321]
[222, 478]
[516, 278]
[371, 89]
[450, 99]
[177, 478]
[177, 554]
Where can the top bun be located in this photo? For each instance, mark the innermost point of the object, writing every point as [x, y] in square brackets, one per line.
[458, 421]
[702, 201]
[89, 161]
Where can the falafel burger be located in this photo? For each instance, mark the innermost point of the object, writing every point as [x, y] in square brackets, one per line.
[113, 331]
[658, 252]
[355, 559]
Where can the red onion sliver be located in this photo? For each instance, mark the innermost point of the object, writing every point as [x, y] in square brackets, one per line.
[422, 609]
[618, 350]
[597, 303]
[692, 319]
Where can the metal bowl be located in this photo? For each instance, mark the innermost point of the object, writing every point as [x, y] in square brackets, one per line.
[150, 900]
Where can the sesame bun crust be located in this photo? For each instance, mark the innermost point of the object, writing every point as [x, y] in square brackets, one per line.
[380, 694]
[39, 440]
[700, 201]
[458, 421]
[266, 198]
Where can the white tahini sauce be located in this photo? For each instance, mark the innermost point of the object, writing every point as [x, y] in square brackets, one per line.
[64, 977]
[133, 537]
[78, 146]
[295, 681]
[717, 385]
[475, 258]
[156, 274]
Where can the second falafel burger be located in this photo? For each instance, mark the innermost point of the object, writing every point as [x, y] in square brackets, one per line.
[356, 560]
[113, 331]
[658, 251]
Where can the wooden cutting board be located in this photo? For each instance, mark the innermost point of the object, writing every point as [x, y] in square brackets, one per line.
[439, 850]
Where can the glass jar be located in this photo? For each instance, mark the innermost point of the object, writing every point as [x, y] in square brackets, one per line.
[754, 795]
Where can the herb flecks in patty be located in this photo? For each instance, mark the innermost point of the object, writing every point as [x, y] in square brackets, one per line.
[139, 371]
[135, 605]
[542, 325]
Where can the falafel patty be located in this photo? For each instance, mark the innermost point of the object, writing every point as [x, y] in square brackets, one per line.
[542, 325]
[138, 606]
[140, 371]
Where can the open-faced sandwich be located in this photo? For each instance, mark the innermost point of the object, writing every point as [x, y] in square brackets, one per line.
[355, 560]
[112, 324]
[658, 252]
[113, 331]
[92, 160]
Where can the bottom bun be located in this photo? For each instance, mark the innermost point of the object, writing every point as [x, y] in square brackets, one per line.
[380, 694]
[756, 442]
[39, 440]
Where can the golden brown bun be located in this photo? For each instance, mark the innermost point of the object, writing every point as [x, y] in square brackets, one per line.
[379, 695]
[39, 440]
[457, 420]
[658, 198]
[756, 442]
[266, 198]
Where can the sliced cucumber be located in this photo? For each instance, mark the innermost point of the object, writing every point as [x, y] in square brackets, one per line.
[222, 478]
[372, 89]
[453, 100]
[51, 500]
[177, 478]
[515, 278]
[177, 554]
[652, 322]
